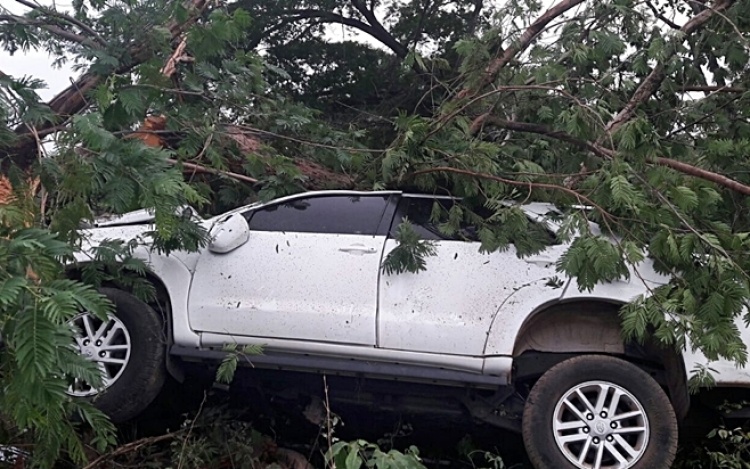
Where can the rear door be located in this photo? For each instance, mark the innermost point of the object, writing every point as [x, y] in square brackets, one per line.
[450, 307]
[309, 271]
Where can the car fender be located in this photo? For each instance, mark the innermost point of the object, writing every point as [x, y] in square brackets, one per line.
[173, 270]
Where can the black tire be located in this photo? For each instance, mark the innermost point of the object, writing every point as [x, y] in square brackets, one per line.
[539, 411]
[145, 372]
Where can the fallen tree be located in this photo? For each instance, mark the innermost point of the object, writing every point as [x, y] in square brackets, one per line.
[606, 104]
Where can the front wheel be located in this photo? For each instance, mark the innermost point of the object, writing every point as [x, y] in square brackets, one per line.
[599, 412]
[129, 350]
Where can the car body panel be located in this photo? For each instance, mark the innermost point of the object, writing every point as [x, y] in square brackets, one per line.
[449, 309]
[174, 271]
[304, 286]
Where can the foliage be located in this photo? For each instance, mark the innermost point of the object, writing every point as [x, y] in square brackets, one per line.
[228, 367]
[725, 448]
[37, 362]
[214, 439]
[410, 254]
[352, 455]
[636, 111]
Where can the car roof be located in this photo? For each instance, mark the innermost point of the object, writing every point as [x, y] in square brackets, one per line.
[534, 208]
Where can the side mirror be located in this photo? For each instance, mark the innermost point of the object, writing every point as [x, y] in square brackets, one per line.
[229, 234]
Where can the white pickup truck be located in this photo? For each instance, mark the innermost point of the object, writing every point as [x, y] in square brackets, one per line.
[302, 276]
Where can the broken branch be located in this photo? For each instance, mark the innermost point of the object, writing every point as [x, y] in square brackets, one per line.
[71, 100]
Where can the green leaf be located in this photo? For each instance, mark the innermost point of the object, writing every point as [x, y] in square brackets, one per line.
[411, 252]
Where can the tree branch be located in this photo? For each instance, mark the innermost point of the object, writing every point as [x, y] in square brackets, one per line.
[714, 89]
[653, 81]
[474, 18]
[72, 100]
[695, 171]
[329, 17]
[381, 34]
[520, 45]
[52, 29]
[540, 185]
[66, 18]
[666, 20]
[205, 169]
[488, 119]
[603, 152]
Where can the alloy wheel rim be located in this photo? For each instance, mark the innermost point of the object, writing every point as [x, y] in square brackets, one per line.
[600, 425]
[106, 343]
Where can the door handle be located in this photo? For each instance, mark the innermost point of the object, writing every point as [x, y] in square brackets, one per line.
[358, 249]
[543, 261]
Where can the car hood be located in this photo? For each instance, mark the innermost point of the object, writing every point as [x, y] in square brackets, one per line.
[144, 216]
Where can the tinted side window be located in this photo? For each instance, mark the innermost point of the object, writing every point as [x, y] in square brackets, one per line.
[419, 211]
[324, 214]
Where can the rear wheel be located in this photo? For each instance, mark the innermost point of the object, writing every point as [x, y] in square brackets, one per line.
[129, 350]
[599, 412]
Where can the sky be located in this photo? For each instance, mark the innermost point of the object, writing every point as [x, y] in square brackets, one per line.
[36, 63]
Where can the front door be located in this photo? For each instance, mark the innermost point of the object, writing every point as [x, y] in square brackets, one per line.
[309, 271]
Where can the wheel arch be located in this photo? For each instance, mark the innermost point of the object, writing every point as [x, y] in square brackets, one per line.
[592, 326]
[161, 303]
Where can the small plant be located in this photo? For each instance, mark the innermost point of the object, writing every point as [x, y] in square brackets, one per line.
[725, 448]
[228, 367]
[354, 454]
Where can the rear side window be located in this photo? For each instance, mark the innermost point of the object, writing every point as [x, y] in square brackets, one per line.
[425, 215]
[323, 214]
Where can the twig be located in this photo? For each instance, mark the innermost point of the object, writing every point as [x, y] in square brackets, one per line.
[74, 84]
[329, 427]
[166, 90]
[52, 29]
[190, 430]
[714, 89]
